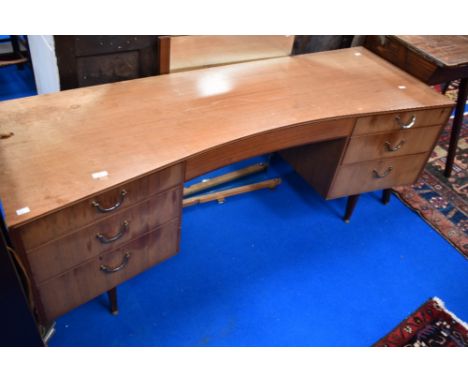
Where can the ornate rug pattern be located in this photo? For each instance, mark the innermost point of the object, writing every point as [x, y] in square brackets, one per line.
[430, 326]
[443, 202]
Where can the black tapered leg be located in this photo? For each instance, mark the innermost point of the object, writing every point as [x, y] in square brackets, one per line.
[456, 127]
[352, 200]
[445, 87]
[386, 195]
[112, 294]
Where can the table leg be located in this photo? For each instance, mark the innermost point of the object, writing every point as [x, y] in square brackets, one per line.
[112, 294]
[457, 125]
[386, 195]
[352, 201]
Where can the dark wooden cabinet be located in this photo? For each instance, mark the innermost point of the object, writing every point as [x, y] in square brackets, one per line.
[92, 60]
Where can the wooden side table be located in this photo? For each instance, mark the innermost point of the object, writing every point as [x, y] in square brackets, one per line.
[434, 60]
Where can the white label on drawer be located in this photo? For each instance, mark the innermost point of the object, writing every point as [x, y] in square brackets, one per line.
[99, 175]
[23, 211]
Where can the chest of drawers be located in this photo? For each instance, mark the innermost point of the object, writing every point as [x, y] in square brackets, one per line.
[383, 151]
[84, 250]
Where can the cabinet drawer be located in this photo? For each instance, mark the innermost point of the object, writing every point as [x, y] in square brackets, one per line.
[392, 122]
[78, 215]
[83, 283]
[398, 143]
[69, 251]
[361, 177]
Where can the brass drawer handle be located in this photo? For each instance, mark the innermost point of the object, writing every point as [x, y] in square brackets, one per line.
[106, 240]
[122, 265]
[386, 172]
[96, 204]
[394, 148]
[408, 125]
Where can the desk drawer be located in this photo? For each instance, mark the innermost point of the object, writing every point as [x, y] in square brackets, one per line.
[398, 143]
[361, 177]
[78, 215]
[71, 250]
[83, 283]
[394, 121]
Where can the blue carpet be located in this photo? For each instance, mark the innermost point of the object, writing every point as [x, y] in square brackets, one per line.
[275, 268]
[16, 83]
[280, 268]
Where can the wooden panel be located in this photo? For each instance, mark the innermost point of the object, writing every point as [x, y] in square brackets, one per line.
[353, 179]
[109, 68]
[134, 128]
[92, 60]
[265, 143]
[190, 52]
[64, 221]
[443, 50]
[317, 162]
[102, 45]
[164, 54]
[61, 294]
[375, 146]
[69, 251]
[393, 51]
[432, 59]
[388, 122]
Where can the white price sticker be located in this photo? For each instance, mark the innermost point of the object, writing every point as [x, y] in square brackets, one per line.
[100, 174]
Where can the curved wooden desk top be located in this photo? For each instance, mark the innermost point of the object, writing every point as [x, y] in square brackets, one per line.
[133, 128]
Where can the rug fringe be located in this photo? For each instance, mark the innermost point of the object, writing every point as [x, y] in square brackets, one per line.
[457, 319]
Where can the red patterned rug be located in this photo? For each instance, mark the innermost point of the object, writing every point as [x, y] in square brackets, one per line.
[430, 326]
[443, 202]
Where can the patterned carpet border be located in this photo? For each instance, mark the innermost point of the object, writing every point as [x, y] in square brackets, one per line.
[436, 227]
[431, 325]
[442, 202]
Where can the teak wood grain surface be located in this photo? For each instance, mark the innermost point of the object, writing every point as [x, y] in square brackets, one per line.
[131, 129]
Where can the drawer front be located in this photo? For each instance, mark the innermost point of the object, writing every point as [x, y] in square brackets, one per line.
[394, 121]
[398, 143]
[71, 250]
[361, 177]
[83, 283]
[78, 215]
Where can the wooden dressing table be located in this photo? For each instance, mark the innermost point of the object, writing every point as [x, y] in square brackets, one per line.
[91, 179]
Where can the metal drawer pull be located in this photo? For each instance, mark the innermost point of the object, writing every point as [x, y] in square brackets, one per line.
[96, 204]
[408, 125]
[122, 265]
[386, 172]
[394, 148]
[106, 240]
